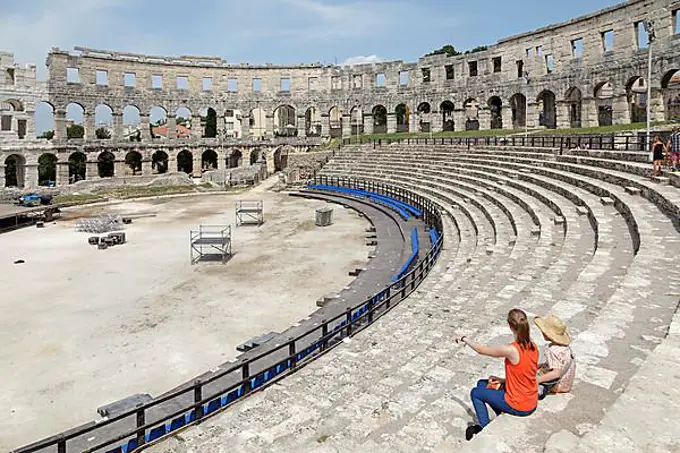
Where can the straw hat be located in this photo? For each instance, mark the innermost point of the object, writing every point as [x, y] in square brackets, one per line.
[553, 328]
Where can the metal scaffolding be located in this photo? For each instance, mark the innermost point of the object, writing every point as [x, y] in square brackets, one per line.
[210, 243]
[249, 212]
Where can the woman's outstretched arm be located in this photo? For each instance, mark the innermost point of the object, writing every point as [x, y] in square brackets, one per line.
[504, 350]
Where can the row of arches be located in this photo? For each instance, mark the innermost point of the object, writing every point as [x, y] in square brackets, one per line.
[132, 164]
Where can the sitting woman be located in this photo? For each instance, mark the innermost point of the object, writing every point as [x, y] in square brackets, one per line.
[557, 374]
[517, 394]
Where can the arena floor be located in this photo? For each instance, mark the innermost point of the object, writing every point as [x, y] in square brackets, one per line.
[83, 327]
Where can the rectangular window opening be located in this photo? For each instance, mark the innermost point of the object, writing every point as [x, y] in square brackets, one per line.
[182, 82]
[10, 76]
[336, 83]
[232, 85]
[449, 72]
[520, 69]
[312, 83]
[285, 84]
[577, 48]
[497, 64]
[539, 50]
[530, 52]
[130, 79]
[357, 81]
[380, 80]
[549, 63]
[207, 83]
[676, 22]
[472, 67]
[157, 81]
[403, 78]
[101, 77]
[257, 85]
[6, 123]
[641, 35]
[229, 114]
[72, 75]
[427, 75]
[608, 41]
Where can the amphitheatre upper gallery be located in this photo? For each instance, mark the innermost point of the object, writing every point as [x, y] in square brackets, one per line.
[585, 72]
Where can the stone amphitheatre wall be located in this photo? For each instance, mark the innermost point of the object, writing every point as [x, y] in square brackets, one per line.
[588, 71]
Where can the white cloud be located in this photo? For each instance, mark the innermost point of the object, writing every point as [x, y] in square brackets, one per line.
[362, 59]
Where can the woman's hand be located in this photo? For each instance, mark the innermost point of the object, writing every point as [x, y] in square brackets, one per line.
[496, 380]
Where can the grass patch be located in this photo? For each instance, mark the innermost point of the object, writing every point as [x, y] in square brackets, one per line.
[144, 191]
[76, 199]
[322, 439]
[599, 130]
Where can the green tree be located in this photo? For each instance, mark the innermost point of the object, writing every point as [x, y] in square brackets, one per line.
[447, 50]
[75, 131]
[478, 49]
[47, 135]
[102, 133]
[210, 130]
[47, 169]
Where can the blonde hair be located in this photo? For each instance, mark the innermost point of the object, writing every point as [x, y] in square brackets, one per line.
[519, 323]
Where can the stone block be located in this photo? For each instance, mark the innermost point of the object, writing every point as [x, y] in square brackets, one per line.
[606, 201]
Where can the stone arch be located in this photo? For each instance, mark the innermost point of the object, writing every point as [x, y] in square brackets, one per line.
[47, 170]
[106, 164]
[285, 121]
[12, 105]
[44, 114]
[636, 92]
[379, 119]
[670, 87]
[159, 162]
[158, 119]
[77, 167]
[471, 107]
[255, 156]
[15, 171]
[103, 121]
[184, 122]
[424, 110]
[208, 122]
[312, 122]
[257, 122]
[131, 122]
[75, 120]
[547, 109]
[234, 159]
[356, 120]
[209, 160]
[185, 162]
[335, 121]
[518, 106]
[447, 109]
[133, 162]
[281, 158]
[496, 110]
[403, 115]
[604, 97]
[574, 100]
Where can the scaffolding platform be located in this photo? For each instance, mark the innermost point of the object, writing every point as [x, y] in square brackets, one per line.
[249, 212]
[210, 243]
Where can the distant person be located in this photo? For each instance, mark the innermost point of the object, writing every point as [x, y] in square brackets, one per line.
[517, 394]
[673, 147]
[557, 374]
[658, 150]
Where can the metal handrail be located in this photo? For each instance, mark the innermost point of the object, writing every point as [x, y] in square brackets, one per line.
[377, 305]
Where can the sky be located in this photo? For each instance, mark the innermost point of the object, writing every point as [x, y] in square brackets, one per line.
[272, 31]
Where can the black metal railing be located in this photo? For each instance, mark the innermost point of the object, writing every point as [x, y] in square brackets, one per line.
[214, 391]
[614, 142]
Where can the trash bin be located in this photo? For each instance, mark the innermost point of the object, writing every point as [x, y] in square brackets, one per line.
[324, 217]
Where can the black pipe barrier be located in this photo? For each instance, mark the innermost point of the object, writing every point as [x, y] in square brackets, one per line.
[607, 142]
[188, 402]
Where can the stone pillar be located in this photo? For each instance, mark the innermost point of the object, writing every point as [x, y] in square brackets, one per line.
[245, 128]
[146, 167]
[172, 128]
[117, 133]
[119, 168]
[459, 119]
[368, 123]
[620, 109]
[391, 122]
[563, 120]
[89, 126]
[60, 125]
[484, 117]
[30, 124]
[506, 115]
[269, 125]
[658, 108]
[301, 127]
[144, 127]
[31, 175]
[532, 115]
[414, 120]
[589, 112]
[2, 175]
[346, 125]
[436, 122]
[197, 158]
[325, 125]
[91, 169]
[62, 173]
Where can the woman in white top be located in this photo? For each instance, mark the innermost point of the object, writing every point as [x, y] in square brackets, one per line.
[557, 374]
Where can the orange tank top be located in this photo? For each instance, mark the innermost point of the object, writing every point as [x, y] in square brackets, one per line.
[521, 387]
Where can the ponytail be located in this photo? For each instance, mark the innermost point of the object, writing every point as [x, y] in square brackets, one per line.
[517, 319]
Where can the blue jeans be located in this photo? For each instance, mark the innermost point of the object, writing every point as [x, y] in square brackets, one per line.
[481, 396]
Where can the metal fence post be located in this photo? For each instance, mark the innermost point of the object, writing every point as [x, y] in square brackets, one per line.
[198, 396]
[348, 314]
[245, 374]
[292, 353]
[140, 422]
[61, 446]
[324, 332]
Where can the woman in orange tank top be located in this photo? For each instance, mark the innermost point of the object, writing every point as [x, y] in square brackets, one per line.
[517, 394]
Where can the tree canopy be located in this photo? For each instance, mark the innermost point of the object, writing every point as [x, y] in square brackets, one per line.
[447, 50]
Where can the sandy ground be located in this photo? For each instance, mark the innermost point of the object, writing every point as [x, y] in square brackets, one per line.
[82, 327]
